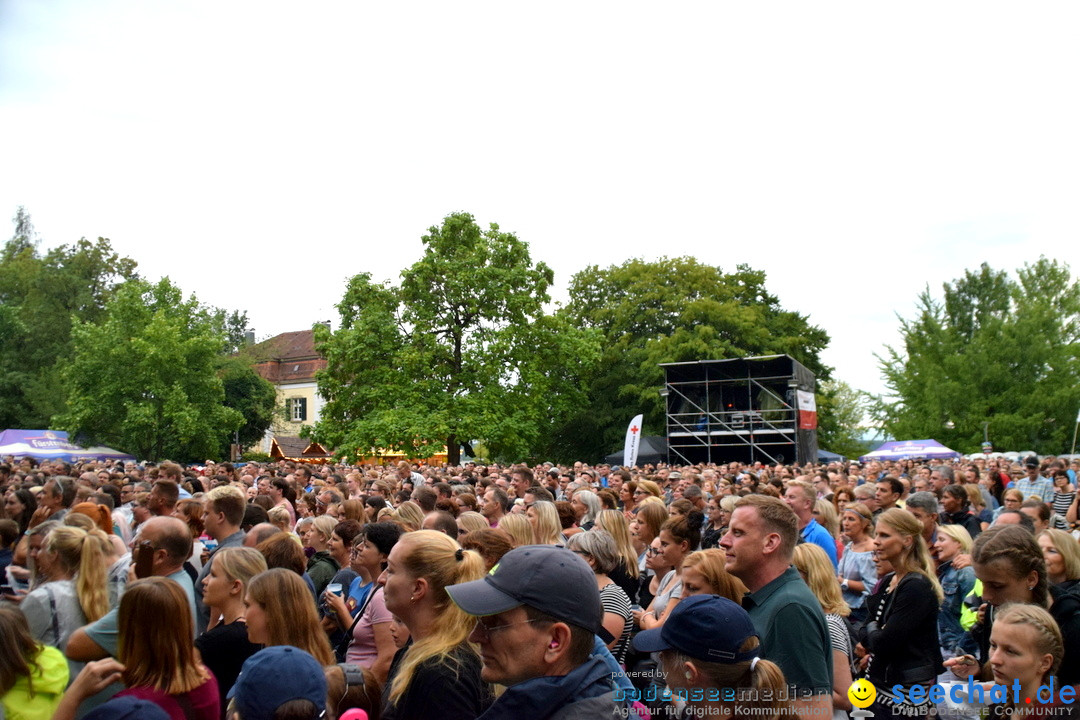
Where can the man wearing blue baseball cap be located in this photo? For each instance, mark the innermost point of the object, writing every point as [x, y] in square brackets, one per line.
[538, 614]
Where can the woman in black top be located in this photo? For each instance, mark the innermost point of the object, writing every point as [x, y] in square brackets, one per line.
[901, 632]
[224, 646]
[438, 673]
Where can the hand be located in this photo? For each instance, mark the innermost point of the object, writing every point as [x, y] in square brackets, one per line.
[15, 596]
[40, 515]
[961, 561]
[19, 573]
[95, 677]
[981, 617]
[963, 666]
[204, 557]
[335, 603]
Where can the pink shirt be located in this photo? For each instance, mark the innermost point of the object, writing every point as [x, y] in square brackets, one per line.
[362, 650]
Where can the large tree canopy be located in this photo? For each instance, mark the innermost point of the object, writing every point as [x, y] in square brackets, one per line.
[996, 354]
[460, 351]
[671, 310]
[40, 296]
[145, 378]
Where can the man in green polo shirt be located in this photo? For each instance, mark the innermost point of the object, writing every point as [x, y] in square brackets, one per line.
[758, 546]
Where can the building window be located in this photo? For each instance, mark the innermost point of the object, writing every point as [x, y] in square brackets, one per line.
[297, 408]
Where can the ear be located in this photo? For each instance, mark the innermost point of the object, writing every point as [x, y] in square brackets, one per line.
[237, 588]
[557, 644]
[1045, 663]
[1033, 578]
[771, 544]
[420, 588]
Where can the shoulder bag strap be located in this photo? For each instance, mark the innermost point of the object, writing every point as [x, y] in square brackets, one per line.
[343, 646]
[52, 612]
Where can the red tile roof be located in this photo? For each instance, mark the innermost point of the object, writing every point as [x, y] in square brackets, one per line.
[286, 358]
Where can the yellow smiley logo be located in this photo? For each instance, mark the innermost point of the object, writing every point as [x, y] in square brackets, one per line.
[862, 693]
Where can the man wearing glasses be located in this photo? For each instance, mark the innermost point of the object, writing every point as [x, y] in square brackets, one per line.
[538, 612]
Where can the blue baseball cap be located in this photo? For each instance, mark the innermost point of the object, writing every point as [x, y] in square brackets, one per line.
[705, 627]
[127, 708]
[274, 676]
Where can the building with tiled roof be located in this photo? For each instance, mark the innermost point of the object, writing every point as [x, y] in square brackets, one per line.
[289, 362]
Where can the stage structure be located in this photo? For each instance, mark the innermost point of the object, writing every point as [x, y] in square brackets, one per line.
[740, 410]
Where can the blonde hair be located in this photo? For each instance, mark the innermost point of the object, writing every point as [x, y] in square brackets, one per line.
[291, 618]
[916, 558]
[960, 534]
[438, 559]
[473, 521]
[615, 523]
[82, 554]
[548, 527]
[165, 658]
[518, 528]
[1068, 548]
[1048, 638]
[830, 520]
[279, 517]
[650, 487]
[864, 514]
[409, 516]
[240, 563]
[810, 560]
[324, 525]
[710, 563]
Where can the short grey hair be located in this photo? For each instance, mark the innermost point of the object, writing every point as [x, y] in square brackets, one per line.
[926, 501]
[599, 545]
[945, 471]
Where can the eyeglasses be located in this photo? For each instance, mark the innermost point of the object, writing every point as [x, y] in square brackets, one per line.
[487, 630]
[652, 551]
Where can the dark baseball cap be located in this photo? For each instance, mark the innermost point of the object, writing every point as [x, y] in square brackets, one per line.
[274, 676]
[550, 579]
[127, 708]
[705, 627]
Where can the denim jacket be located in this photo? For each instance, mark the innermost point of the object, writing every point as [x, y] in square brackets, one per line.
[956, 584]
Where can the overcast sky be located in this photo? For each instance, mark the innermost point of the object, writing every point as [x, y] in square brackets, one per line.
[260, 153]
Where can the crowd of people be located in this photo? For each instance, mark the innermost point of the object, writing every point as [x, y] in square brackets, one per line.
[407, 591]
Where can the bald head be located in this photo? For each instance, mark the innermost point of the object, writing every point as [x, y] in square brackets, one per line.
[258, 533]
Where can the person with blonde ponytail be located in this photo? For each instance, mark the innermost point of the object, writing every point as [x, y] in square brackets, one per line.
[901, 632]
[437, 674]
[710, 657]
[77, 593]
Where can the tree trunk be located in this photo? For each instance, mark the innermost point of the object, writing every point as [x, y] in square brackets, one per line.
[453, 451]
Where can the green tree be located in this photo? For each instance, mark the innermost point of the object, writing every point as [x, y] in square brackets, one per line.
[841, 411]
[671, 310]
[996, 353]
[250, 395]
[145, 378]
[461, 350]
[42, 295]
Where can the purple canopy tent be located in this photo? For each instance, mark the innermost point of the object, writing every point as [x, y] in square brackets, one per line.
[908, 449]
[52, 445]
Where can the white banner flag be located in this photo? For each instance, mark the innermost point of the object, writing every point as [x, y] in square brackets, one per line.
[630, 447]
